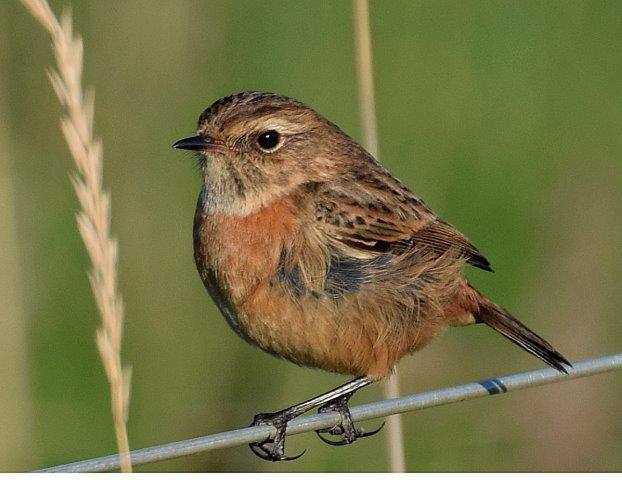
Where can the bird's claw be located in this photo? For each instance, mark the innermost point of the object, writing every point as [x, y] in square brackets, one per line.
[346, 439]
[272, 453]
[272, 449]
[345, 429]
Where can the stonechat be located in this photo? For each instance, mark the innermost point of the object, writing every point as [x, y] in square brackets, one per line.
[314, 252]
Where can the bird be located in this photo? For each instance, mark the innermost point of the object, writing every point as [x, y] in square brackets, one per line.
[316, 254]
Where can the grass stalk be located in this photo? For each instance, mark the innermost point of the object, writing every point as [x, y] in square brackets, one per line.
[94, 217]
[367, 108]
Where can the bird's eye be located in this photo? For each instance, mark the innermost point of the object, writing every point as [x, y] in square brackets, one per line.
[269, 140]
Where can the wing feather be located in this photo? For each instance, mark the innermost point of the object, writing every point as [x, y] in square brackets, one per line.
[377, 214]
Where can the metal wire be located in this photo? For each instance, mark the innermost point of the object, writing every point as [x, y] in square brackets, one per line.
[482, 388]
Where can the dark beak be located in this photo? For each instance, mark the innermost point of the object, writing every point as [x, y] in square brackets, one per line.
[194, 143]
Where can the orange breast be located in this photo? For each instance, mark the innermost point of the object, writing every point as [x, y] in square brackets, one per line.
[242, 252]
[237, 256]
[362, 333]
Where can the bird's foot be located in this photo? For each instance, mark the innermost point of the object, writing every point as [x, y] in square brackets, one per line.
[345, 429]
[273, 449]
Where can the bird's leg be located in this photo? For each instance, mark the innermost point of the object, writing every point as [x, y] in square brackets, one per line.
[273, 449]
[345, 429]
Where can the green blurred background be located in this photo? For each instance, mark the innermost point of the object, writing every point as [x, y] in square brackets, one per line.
[505, 116]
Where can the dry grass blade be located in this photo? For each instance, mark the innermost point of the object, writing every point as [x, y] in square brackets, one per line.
[367, 107]
[94, 219]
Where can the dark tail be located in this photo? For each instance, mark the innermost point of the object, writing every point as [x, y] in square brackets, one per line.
[504, 322]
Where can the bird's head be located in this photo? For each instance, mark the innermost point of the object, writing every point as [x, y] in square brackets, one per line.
[254, 147]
